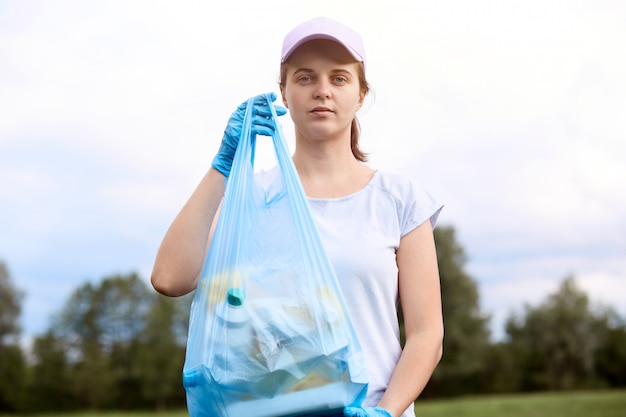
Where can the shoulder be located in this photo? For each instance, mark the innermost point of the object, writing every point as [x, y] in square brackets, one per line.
[399, 186]
[415, 204]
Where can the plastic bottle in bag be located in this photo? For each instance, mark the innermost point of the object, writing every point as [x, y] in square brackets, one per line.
[238, 336]
[232, 310]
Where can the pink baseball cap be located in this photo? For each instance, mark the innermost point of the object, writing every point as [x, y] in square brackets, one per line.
[324, 28]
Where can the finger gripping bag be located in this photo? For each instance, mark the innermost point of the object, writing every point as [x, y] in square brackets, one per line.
[269, 330]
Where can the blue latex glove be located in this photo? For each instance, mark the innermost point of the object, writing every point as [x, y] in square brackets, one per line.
[262, 124]
[366, 412]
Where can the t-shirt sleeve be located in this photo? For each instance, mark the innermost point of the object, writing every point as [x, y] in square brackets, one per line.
[419, 206]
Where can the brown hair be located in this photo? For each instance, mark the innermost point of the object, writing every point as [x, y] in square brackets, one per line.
[355, 130]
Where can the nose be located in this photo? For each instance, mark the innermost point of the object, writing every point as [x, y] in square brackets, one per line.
[322, 90]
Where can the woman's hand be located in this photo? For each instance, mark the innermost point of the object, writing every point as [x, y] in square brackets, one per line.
[366, 412]
[262, 124]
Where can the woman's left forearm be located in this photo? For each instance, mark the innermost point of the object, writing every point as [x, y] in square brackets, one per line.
[422, 352]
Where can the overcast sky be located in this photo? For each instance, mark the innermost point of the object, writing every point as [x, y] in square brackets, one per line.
[513, 113]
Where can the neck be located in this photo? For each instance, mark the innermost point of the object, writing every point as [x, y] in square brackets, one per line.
[324, 159]
[328, 171]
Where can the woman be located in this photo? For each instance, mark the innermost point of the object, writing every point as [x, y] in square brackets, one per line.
[376, 226]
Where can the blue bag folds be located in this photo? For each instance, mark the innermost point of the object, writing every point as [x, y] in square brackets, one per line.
[269, 331]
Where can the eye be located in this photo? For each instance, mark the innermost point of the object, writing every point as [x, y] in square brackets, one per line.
[304, 79]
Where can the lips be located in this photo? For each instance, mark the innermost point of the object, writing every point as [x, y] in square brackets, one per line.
[321, 110]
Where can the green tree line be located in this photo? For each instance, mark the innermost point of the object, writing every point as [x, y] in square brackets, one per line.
[119, 345]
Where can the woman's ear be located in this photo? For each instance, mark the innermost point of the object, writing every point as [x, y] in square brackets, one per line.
[283, 96]
[361, 100]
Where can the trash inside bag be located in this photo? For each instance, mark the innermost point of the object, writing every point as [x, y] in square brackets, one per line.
[269, 333]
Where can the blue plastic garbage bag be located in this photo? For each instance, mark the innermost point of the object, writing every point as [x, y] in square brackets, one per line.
[269, 331]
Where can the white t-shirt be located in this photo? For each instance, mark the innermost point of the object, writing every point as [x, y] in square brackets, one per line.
[361, 233]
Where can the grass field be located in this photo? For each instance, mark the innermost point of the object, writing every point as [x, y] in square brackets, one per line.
[570, 404]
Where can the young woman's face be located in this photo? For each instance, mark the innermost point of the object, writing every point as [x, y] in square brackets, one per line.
[322, 90]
